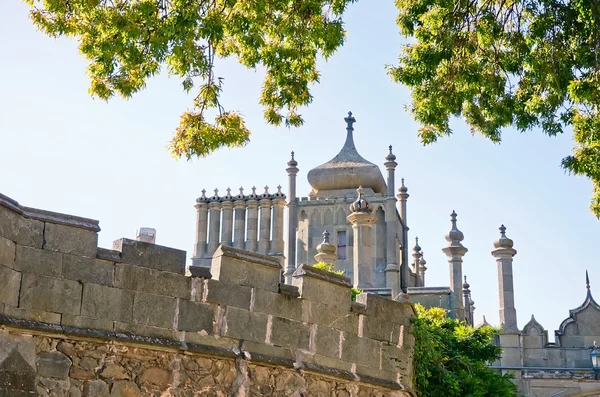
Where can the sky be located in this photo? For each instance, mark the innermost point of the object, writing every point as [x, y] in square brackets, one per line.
[64, 151]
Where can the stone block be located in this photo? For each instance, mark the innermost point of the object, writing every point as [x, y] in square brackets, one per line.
[323, 361]
[289, 333]
[50, 294]
[327, 342]
[277, 304]
[87, 322]
[236, 266]
[152, 281]
[53, 365]
[10, 284]
[361, 351]
[23, 231]
[7, 252]
[147, 331]
[380, 329]
[395, 359]
[154, 310]
[88, 270]
[151, 255]
[367, 373]
[32, 315]
[242, 324]
[330, 316]
[195, 316]
[95, 388]
[260, 352]
[322, 286]
[227, 294]
[107, 303]
[394, 311]
[70, 240]
[123, 388]
[38, 261]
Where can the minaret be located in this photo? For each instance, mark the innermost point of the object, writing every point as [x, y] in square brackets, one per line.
[467, 301]
[326, 252]
[417, 262]
[504, 253]
[422, 268]
[292, 208]
[455, 252]
[392, 270]
[362, 221]
[404, 270]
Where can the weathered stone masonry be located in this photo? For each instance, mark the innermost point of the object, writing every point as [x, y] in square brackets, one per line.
[78, 320]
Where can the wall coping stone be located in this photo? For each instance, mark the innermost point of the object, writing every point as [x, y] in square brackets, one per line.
[310, 271]
[290, 290]
[428, 290]
[108, 255]
[200, 271]
[241, 254]
[50, 216]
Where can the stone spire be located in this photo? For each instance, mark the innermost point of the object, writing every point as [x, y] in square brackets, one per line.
[455, 252]
[423, 269]
[390, 166]
[326, 252]
[417, 262]
[467, 301]
[362, 221]
[404, 267]
[504, 253]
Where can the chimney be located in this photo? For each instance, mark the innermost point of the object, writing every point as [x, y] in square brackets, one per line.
[146, 234]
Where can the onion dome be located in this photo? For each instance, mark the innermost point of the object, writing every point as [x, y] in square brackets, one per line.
[326, 247]
[454, 236]
[292, 162]
[391, 156]
[503, 241]
[348, 169]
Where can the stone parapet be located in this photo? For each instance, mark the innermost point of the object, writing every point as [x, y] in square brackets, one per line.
[138, 294]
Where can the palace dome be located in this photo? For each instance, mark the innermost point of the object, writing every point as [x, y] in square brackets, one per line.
[347, 170]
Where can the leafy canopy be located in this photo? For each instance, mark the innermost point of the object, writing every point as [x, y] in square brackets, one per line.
[495, 63]
[128, 41]
[451, 358]
[499, 63]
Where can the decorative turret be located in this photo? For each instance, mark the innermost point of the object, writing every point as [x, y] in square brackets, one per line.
[362, 221]
[348, 169]
[504, 253]
[390, 166]
[423, 268]
[417, 262]
[326, 252]
[455, 252]
[467, 301]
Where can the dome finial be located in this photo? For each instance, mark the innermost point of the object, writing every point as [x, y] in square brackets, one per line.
[587, 280]
[390, 156]
[361, 204]
[326, 252]
[503, 241]
[454, 236]
[350, 120]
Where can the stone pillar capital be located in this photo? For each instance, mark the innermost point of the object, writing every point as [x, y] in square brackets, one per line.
[390, 165]
[361, 219]
[455, 252]
[239, 204]
[227, 205]
[214, 205]
[252, 203]
[201, 205]
[504, 253]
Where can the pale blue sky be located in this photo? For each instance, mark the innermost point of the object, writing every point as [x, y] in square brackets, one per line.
[61, 150]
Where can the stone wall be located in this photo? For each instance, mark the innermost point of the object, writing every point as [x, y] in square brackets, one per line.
[76, 320]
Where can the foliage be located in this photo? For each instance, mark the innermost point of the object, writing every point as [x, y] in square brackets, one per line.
[499, 63]
[451, 358]
[330, 268]
[128, 41]
[496, 63]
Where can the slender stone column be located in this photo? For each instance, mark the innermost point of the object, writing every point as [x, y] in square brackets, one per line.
[201, 228]
[504, 253]
[292, 208]
[264, 237]
[239, 226]
[467, 302]
[214, 210]
[417, 262]
[362, 221]
[422, 269]
[392, 270]
[227, 228]
[252, 233]
[278, 202]
[455, 252]
[404, 269]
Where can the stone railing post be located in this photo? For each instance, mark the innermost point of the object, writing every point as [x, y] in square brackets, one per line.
[264, 238]
[239, 228]
[252, 233]
[362, 221]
